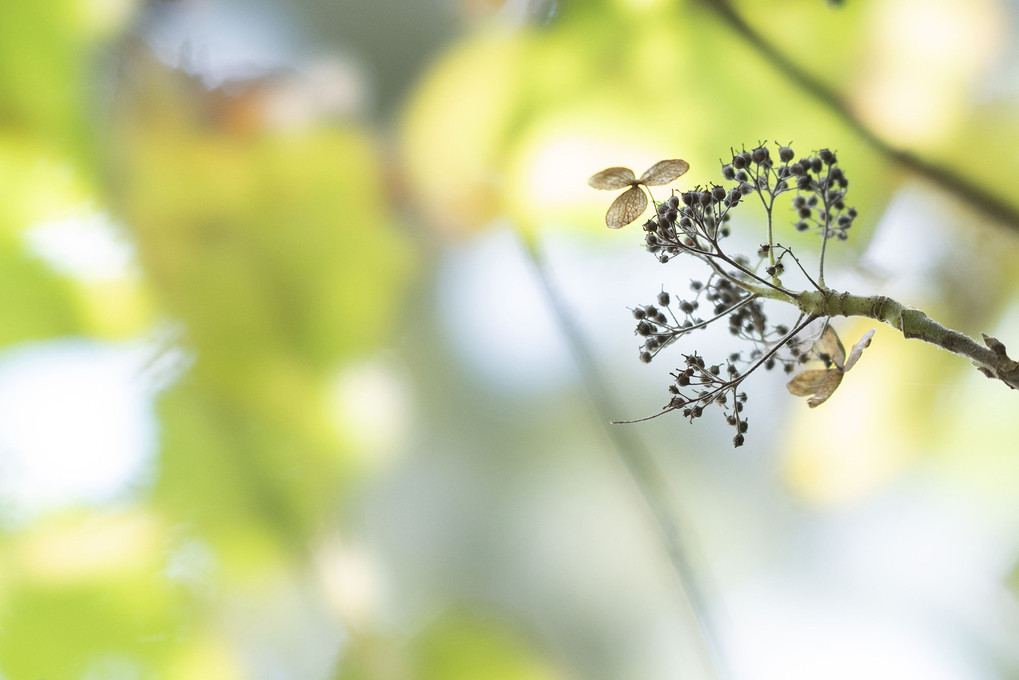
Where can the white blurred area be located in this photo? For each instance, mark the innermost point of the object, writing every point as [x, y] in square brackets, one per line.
[76, 426]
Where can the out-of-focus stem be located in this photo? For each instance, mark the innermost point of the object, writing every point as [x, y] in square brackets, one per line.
[639, 462]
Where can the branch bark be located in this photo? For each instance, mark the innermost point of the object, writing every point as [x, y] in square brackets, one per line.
[990, 358]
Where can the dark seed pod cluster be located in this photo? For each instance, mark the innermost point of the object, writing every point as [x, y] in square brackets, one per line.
[699, 386]
[820, 203]
[736, 288]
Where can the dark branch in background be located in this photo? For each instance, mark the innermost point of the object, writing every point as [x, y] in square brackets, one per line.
[958, 186]
[639, 463]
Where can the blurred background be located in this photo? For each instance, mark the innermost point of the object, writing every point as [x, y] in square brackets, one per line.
[311, 328]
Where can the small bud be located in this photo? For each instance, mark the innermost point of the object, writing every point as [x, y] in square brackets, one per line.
[663, 299]
[728, 172]
[826, 156]
[786, 154]
[718, 193]
[639, 313]
[738, 440]
[645, 357]
[673, 201]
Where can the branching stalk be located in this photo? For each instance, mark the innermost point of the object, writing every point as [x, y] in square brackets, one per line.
[990, 358]
[695, 223]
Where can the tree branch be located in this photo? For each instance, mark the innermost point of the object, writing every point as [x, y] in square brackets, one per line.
[958, 186]
[991, 359]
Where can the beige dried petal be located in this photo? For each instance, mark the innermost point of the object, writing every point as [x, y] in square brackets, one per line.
[627, 207]
[827, 389]
[830, 346]
[807, 383]
[854, 354]
[612, 178]
[664, 172]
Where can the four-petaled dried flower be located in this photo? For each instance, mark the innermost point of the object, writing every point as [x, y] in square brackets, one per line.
[821, 383]
[630, 204]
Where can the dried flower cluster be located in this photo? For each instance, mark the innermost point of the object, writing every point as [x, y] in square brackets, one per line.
[694, 224]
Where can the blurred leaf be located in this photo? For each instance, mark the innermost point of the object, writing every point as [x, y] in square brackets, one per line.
[606, 89]
[458, 645]
[86, 593]
[38, 304]
[462, 646]
[276, 251]
[455, 129]
[45, 51]
[251, 480]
